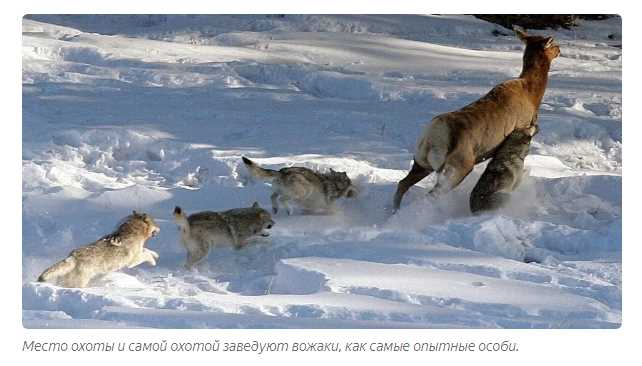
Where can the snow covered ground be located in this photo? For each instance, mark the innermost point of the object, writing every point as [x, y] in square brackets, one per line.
[147, 112]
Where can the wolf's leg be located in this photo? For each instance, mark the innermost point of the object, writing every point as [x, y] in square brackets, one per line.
[490, 202]
[493, 188]
[153, 253]
[518, 178]
[416, 173]
[146, 255]
[76, 278]
[195, 255]
[275, 203]
[239, 244]
[284, 201]
[457, 166]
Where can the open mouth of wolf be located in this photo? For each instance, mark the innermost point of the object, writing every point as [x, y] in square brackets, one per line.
[265, 232]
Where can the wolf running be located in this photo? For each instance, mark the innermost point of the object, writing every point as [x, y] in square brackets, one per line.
[125, 247]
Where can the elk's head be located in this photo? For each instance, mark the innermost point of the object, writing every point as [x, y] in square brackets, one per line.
[539, 50]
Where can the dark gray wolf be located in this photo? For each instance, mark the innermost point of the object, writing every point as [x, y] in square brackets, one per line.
[314, 192]
[503, 173]
[202, 230]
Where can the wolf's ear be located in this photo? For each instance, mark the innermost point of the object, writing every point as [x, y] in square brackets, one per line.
[255, 205]
[178, 211]
[520, 33]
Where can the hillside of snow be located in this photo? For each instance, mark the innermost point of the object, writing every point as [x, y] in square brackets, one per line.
[149, 112]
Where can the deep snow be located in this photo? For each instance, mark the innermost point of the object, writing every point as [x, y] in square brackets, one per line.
[147, 112]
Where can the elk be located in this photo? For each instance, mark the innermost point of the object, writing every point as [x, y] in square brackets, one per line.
[455, 141]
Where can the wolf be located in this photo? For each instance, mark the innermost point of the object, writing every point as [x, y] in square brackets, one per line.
[202, 230]
[314, 192]
[503, 173]
[122, 248]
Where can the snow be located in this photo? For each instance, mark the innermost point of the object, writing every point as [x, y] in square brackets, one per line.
[131, 112]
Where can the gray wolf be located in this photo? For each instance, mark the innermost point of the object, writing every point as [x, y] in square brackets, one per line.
[314, 192]
[122, 248]
[454, 142]
[503, 173]
[202, 230]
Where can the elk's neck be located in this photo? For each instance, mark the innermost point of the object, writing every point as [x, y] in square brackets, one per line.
[535, 76]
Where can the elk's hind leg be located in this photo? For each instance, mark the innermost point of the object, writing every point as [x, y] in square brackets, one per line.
[457, 166]
[416, 173]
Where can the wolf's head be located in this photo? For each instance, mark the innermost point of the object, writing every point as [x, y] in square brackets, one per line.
[139, 223]
[342, 184]
[264, 222]
[181, 219]
[519, 141]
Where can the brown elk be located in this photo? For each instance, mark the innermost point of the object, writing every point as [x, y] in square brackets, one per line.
[455, 141]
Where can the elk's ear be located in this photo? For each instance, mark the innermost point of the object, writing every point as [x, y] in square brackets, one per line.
[520, 33]
[255, 205]
[549, 42]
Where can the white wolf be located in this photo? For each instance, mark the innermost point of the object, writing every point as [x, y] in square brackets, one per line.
[122, 248]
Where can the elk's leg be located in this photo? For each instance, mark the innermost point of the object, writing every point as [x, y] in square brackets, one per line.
[456, 167]
[417, 173]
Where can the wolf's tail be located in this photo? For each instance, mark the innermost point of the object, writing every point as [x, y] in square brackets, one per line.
[181, 219]
[59, 269]
[258, 172]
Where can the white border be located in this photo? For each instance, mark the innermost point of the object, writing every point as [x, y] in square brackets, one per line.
[536, 346]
